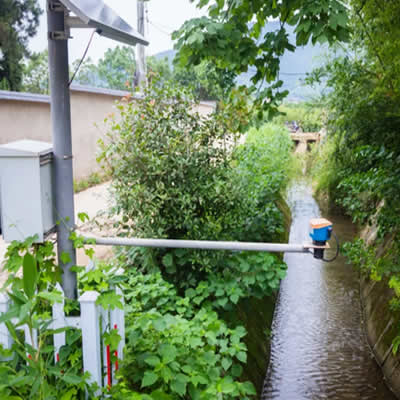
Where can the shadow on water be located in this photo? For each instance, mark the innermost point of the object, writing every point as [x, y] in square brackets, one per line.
[319, 350]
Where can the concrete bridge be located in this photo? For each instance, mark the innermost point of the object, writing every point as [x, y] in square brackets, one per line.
[304, 140]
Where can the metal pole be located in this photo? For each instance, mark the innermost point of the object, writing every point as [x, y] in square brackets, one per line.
[62, 143]
[140, 73]
[199, 244]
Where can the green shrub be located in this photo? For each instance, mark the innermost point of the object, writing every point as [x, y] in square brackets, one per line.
[32, 373]
[177, 349]
[309, 117]
[176, 174]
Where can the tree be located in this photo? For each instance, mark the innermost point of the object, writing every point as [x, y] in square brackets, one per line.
[117, 67]
[36, 73]
[206, 80]
[233, 37]
[19, 20]
[87, 74]
[158, 67]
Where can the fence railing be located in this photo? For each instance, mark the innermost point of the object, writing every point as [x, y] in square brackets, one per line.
[94, 321]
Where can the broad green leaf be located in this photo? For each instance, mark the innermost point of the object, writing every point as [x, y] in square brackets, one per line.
[152, 360]
[241, 356]
[168, 352]
[149, 379]
[30, 274]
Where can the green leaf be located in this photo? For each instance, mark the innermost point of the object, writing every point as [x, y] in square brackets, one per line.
[168, 260]
[226, 363]
[149, 379]
[70, 395]
[248, 388]
[65, 257]
[152, 360]
[72, 379]
[30, 274]
[241, 356]
[178, 385]
[159, 395]
[226, 386]
[82, 216]
[167, 352]
[53, 297]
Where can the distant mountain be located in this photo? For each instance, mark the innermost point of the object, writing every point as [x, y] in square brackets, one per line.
[294, 66]
[170, 54]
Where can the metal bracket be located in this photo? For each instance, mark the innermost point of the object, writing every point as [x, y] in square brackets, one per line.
[59, 35]
[313, 246]
[55, 6]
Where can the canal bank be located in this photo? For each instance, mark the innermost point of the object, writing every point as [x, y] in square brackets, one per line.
[381, 322]
[318, 348]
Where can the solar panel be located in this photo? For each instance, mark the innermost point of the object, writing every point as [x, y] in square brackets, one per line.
[97, 15]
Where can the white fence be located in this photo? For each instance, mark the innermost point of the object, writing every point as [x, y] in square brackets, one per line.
[94, 321]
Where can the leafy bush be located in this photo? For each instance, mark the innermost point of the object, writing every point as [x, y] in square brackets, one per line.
[32, 372]
[179, 175]
[173, 177]
[179, 350]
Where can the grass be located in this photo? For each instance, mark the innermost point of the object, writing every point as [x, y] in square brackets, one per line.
[93, 179]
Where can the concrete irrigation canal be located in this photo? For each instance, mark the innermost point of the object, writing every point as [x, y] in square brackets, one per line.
[319, 350]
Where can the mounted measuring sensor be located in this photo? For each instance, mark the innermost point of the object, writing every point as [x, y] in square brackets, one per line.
[321, 232]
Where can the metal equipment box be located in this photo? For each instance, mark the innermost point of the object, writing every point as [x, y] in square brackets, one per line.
[26, 190]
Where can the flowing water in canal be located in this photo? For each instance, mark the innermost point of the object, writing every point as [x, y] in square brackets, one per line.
[319, 350]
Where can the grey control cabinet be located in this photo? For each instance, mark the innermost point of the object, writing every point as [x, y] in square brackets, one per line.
[26, 190]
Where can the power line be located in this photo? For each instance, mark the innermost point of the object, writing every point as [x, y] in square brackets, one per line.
[160, 29]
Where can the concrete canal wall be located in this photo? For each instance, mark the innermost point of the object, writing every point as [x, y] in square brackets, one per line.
[382, 325]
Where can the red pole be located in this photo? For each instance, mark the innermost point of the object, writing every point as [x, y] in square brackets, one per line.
[108, 367]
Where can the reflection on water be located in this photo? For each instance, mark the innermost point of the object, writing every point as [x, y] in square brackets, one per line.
[318, 346]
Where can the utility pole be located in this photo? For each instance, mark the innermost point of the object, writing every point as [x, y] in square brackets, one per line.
[140, 73]
[62, 143]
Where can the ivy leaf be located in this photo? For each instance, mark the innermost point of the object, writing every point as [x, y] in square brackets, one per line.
[110, 300]
[65, 257]
[112, 339]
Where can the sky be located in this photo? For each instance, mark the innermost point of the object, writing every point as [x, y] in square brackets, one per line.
[164, 17]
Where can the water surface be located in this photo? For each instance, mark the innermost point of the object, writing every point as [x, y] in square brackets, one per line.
[319, 350]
